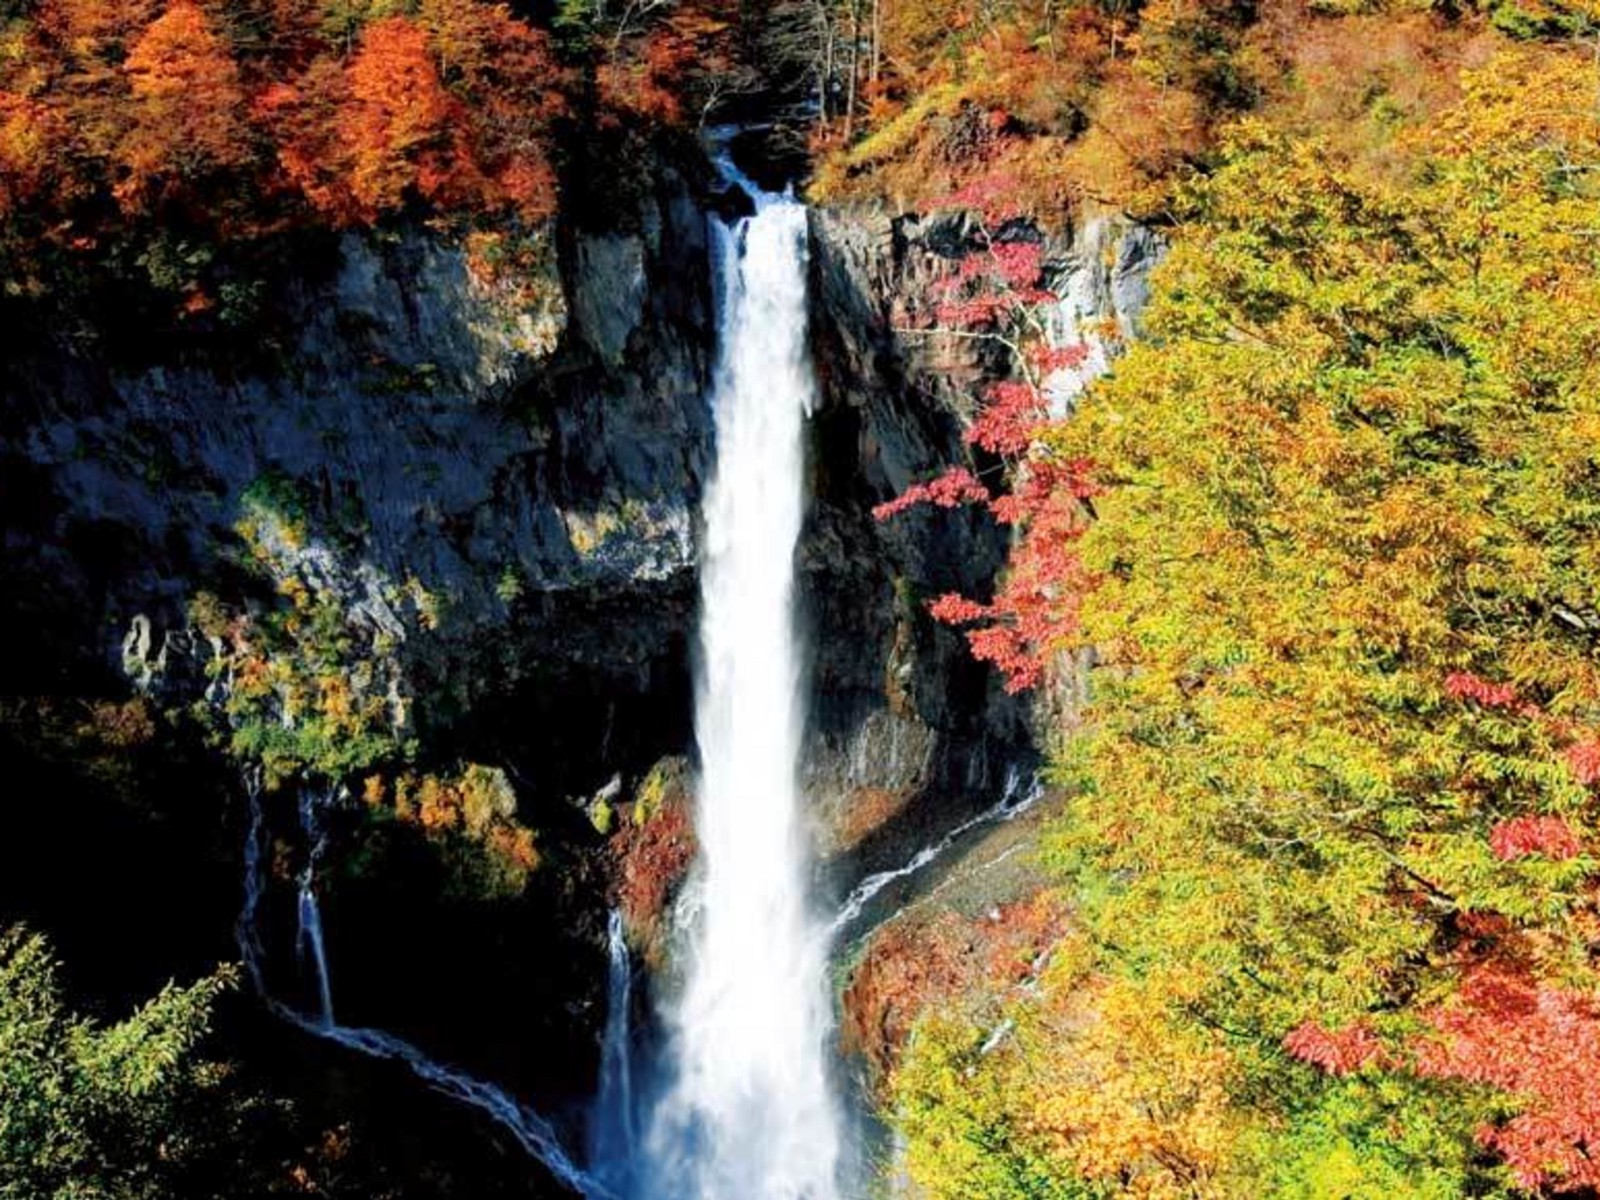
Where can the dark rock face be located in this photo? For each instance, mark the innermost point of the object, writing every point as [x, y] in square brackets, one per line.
[488, 472]
[910, 732]
[496, 482]
[899, 706]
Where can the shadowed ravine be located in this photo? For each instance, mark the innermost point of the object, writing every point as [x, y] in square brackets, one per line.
[737, 1097]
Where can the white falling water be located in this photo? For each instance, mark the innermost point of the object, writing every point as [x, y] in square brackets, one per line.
[749, 1114]
[613, 1140]
[309, 941]
[535, 1134]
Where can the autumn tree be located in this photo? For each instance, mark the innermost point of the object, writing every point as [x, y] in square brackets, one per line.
[994, 294]
[1332, 814]
[188, 106]
[124, 1111]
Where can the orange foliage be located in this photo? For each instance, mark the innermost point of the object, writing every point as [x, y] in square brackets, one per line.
[30, 138]
[300, 119]
[399, 119]
[188, 105]
[1128, 1100]
[251, 126]
[89, 28]
[666, 73]
[389, 128]
[475, 809]
[912, 967]
[508, 81]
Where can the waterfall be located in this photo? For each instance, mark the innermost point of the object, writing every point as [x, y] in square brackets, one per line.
[748, 1113]
[309, 941]
[533, 1132]
[613, 1139]
[247, 930]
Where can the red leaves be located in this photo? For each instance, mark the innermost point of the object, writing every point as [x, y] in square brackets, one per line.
[1018, 264]
[1522, 836]
[1464, 685]
[1034, 614]
[1584, 759]
[1582, 756]
[1007, 423]
[1340, 1052]
[1541, 1044]
[993, 282]
[955, 609]
[1049, 359]
[956, 486]
[1035, 611]
[993, 196]
[1505, 1030]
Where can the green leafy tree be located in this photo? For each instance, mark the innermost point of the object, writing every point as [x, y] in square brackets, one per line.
[103, 1112]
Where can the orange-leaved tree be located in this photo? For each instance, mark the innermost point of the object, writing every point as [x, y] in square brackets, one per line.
[188, 106]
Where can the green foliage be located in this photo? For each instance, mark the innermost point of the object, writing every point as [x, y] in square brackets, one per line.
[1365, 1138]
[308, 686]
[662, 780]
[574, 24]
[1343, 574]
[509, 586]
[959, 1118]
[120, 1112]
[277, 495]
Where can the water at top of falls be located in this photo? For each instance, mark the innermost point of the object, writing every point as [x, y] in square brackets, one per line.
[749, 1113]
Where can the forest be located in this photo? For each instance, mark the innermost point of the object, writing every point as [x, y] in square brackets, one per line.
[1294, 592]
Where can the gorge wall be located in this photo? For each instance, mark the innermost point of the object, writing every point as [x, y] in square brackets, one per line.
[491, 478]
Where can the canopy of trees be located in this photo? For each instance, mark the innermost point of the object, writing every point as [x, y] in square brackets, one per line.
[148, 134]
[1116, 102]
[1333, 815]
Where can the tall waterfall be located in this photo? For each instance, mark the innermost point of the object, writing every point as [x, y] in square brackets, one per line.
[749, 1113]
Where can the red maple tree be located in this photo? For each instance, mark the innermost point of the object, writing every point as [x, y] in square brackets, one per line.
[995, 291]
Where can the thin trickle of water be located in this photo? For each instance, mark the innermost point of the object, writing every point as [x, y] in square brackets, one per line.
[1012, 804]
[309, 940]
[613, 1139]
[749, 1113]
[535, 1134]
[247, 930]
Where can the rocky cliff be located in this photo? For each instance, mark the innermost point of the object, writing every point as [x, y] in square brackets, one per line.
[475, 468]
[912, 733]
